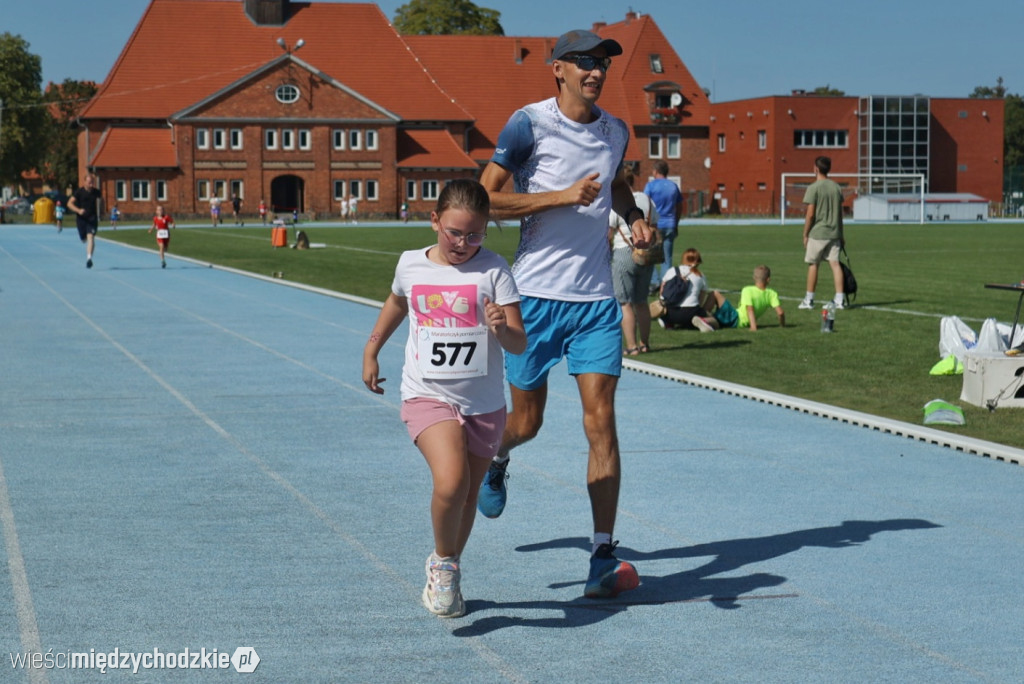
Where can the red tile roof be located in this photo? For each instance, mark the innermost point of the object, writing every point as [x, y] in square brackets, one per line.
[184, 50]
[431, 148]
[136, 148]
[515, 71]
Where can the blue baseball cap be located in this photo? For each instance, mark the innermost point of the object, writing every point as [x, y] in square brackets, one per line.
[584, 41]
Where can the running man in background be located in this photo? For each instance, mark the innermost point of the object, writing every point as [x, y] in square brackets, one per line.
[87, 203]
[563, 272]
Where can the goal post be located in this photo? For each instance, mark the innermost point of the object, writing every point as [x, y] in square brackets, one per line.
[794, 185]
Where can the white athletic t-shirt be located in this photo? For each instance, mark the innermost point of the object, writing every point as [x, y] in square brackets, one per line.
[563, 253]
[446, 308]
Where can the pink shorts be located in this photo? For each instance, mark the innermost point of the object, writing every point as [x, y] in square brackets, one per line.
[483, 431]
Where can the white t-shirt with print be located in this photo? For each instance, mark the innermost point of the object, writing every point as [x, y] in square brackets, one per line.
[563, 252]
[452, 298]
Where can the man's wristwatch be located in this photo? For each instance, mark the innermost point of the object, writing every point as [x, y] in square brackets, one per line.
[630, 216]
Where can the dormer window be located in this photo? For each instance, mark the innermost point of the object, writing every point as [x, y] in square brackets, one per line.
[656, 67]
[286, 93]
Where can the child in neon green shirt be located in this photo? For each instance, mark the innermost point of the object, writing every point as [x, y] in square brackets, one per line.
[755, 300]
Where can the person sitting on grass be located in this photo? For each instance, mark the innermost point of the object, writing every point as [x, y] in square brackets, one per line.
[755, 300]
[694, 312]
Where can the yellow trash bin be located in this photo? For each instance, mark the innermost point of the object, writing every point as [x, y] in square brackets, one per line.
[42, 210]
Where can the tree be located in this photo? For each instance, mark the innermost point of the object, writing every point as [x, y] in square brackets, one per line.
[447, 17]
[827, 91]
[58, 164]
[21, 117]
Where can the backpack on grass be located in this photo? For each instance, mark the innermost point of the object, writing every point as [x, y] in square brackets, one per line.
[849, 280]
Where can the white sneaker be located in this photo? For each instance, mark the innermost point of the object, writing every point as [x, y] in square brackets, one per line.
[806, 304]
[700, 324]
[442, 595]
[661, 322]
[839, 305]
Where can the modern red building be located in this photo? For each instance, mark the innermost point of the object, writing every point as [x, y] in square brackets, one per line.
[957, 143]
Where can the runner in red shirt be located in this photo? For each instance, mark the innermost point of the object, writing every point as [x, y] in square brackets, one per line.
[162, 223]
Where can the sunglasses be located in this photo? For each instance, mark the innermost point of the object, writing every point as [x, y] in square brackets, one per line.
[472, 239]
[589, 62]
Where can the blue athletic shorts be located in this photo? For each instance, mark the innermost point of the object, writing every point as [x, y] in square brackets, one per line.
[587, 334]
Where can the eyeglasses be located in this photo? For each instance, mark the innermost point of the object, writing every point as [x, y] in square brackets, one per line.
[589, 62]
[456, 237]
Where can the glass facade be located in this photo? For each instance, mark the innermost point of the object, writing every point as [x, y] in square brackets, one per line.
[894, 138]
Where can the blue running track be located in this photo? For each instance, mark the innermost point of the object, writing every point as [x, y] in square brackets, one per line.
[189, 460]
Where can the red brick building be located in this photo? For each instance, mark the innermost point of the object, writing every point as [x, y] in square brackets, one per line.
[956, 142]
[307, 104]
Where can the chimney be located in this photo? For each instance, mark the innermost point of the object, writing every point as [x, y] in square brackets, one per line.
[598, 25]
[267, 12]
[631, 15]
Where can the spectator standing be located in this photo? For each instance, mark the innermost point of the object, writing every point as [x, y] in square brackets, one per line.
[668, 200]
[823, 231]
[353, 205]
[631, 280]
[263, 212]
[236, 208]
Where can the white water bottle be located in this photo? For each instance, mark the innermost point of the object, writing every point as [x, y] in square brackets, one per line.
[828, 318]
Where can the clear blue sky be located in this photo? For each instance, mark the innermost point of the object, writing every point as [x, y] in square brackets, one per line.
[736, 49]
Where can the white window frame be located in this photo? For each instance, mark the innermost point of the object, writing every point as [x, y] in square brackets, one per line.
[220, 189]
[270, 138]
[355, 139]
[721, 142]
[287, 93]
[287, 138]
[410, 189]
[220, 139]
[140, 191]
[673, 146]
[238, 187]
[305, 139]
[203, 189]
[202, 138]
[372, 139]
[339, 184]
[654, 146]
[121, 190]
[161, 191]
[429, 189]
[355, 189]
[237, 139]
[371, 191]
[338, 138]
[762, 139]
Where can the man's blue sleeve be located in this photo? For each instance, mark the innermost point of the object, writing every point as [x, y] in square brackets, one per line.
[515, 142]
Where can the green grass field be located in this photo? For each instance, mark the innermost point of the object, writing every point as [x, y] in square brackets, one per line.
[877, 361]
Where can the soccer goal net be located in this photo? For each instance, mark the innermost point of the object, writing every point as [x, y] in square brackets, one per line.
[907, 186]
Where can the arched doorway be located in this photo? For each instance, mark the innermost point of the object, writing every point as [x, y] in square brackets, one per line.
[286, 194]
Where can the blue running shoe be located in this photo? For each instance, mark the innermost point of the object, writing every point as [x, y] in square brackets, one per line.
[609, 576]
[493, 492]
